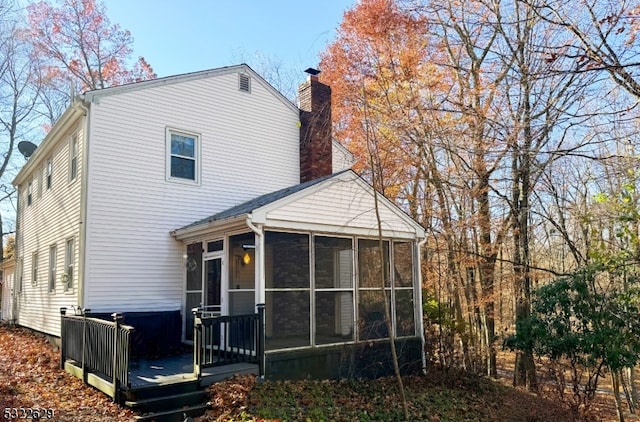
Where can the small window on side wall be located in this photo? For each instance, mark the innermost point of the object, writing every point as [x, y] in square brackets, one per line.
[183, 156]
[73, 158]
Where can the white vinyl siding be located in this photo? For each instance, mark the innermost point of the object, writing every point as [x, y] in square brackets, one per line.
[341, 205]
[48, 221]
[249, 146]
[8, 277]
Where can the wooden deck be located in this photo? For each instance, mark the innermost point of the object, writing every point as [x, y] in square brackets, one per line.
[145, 373]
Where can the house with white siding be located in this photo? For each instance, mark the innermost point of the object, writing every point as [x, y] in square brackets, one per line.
[211, 190]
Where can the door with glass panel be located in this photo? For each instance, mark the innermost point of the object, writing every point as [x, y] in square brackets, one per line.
[212, 298]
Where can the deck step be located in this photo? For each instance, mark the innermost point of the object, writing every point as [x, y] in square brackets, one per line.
[168, 402]
[175, 415]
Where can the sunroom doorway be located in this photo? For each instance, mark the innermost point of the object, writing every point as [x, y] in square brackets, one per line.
[220, 278]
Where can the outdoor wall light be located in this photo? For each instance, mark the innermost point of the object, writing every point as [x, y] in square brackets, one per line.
[246, 259]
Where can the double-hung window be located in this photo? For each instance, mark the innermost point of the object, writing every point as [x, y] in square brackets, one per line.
[30, 193]
[53, 256]
[69, 258]
[183, 156]
[34, 268]
[49, 173]
[73, 158]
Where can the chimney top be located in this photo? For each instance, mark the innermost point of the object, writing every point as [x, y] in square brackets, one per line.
[313, 72]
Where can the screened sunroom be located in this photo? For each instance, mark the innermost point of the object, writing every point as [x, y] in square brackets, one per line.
[313, 256]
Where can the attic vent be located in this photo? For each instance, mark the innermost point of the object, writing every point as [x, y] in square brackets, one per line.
[245, 83]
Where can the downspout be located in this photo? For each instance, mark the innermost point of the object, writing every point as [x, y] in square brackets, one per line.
[260, 283]
[82, 241]
[260, 293]
[420, 315]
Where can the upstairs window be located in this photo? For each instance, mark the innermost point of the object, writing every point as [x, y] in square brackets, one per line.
[183, 156]
[49, 174]
[73, 158]
[30, 193]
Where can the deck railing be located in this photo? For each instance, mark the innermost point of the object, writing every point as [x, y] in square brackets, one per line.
[98, 346]
[223, 340]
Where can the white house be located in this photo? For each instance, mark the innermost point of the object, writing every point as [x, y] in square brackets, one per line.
[210, 189]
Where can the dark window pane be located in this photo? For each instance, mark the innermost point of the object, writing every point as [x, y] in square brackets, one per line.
[242, 275]
[371, 319]
[194, 300]
[403, 264]
[194, 266]
[214, 246]
[334, 317]
[241, 303]
[183, 145]
[183, 168]
[287, 319]
[334, 262]
[287, 261]
[404, 313]
[369, 263]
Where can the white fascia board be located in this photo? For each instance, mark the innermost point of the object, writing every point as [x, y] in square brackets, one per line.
[217, 226]
[96, 95]
[330, 229]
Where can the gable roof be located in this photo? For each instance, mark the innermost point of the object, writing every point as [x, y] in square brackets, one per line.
[95, 95]
[259, 208]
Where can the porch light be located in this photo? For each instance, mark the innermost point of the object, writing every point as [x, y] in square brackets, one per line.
[246, 259]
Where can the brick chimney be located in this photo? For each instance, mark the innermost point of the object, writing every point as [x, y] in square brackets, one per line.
[315, 128]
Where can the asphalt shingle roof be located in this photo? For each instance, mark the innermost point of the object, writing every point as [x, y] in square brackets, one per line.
[260, 201]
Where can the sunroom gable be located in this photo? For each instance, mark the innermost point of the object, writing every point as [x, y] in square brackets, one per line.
[344, 204]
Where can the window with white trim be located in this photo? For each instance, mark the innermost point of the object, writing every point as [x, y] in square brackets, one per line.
[53, 256]
[30, 193]
[34, 268]
[73, 157]
[49, 174]
[69, 260]
[183, 156]
[20, 272]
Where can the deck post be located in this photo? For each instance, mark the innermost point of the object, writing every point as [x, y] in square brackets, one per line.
[85, 314]
[260, 339]
[117, 320]
[197, 342]
[63, 358]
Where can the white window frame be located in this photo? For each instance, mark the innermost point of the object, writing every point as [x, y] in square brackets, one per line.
[73, 157]
[197, 159]
[53, 258]
[69, 263]
[49, 173]
[34, 268]
[30, 193]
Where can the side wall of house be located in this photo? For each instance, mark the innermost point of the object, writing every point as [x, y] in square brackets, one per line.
[7, 293]
[51, 219]
[249, 146]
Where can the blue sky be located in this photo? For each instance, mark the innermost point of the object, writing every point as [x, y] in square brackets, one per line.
[190, 35]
